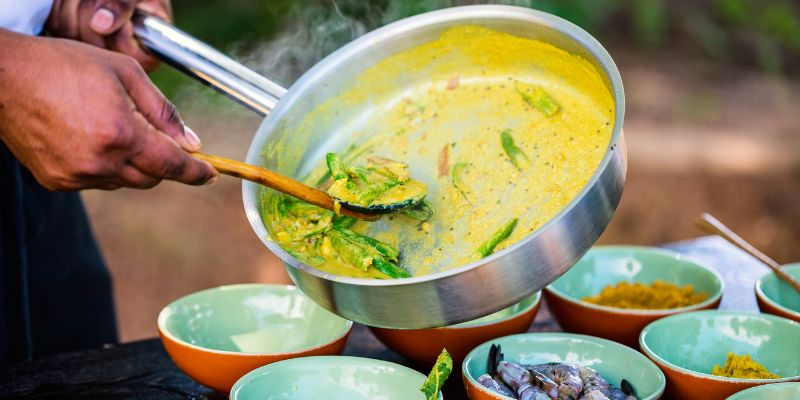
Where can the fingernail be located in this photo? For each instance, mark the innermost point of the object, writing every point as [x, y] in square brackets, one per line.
[102, 20]
[212, 180]
[191, 137]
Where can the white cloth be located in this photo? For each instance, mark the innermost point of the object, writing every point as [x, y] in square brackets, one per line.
[24, 16]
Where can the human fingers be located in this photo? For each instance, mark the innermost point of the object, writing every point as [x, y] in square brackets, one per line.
[157, 155]
[158, 111]
[109, 16]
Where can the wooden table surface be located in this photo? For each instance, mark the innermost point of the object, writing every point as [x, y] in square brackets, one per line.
[142, 370]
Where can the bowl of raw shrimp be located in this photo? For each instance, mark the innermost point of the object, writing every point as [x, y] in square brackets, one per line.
[542, 366]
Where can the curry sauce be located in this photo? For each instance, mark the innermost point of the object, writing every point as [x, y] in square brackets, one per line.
[503, 128]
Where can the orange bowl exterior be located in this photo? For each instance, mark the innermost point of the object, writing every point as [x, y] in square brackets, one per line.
[684, 386]
[770, 308]
[219, 370]
[617, 325]
[424, 345]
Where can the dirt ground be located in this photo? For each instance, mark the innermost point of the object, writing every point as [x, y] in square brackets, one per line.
[699, 139]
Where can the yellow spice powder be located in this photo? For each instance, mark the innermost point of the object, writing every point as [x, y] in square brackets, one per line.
[658, 295]
[742, 366]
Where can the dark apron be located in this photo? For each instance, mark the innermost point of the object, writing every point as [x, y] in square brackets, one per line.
[55, 291]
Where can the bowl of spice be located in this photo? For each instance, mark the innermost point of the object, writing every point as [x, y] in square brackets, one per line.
[777, 297]
[713, 354]
[615, 291]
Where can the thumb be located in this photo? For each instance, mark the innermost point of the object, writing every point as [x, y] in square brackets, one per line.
[110, 15]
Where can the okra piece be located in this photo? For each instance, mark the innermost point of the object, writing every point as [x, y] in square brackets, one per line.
[518, 158]
[376, 189]
[335, 166]
[357, 172]
[503, 233]
[421, 211]
[343, 221]
[540, 100]
[350, 252]
[384, 249]
[312, 260]
[459, 169]
[389, 269]
[439, 373]
[359, 257]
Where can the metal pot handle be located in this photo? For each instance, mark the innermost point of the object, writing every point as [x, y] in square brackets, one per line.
[206, 64]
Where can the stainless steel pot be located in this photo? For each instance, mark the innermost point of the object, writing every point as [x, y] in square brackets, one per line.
[457, 295]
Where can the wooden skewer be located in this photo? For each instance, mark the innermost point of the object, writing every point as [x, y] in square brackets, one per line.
[280, 183]
[709, 224]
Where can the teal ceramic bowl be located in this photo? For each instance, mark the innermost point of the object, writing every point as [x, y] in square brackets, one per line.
[612, 360]
[217, 335]
[609, 265]
[775, 391]
[687, 346]
[778, 297]
[330, 378]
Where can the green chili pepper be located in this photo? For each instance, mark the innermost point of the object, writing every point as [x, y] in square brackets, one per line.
[439, 373]
[518, 158]
[335, 166]
[540, 100]
[503, 233]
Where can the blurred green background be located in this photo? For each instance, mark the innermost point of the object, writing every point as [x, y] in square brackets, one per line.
[711, 124]
[751, 33]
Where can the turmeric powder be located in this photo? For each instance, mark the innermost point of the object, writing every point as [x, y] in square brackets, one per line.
[742, 366]
[658, 295]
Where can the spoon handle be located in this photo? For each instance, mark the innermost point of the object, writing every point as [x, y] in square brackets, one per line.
[278, 182]
[709, 224]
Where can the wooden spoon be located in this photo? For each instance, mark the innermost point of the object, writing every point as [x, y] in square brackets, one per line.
[280, 183]
[708, 223]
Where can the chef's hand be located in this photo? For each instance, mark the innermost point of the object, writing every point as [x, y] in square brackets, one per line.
[81, 117]
[106, 24]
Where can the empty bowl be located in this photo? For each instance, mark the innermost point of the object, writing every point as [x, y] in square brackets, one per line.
[778, 297]
[775, 391]
[612, 360]
[424, 345]
[217, 335]
[330, 378]
[687, 346]
[610, 265]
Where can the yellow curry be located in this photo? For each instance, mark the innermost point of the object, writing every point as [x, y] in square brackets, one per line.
[507, 129]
